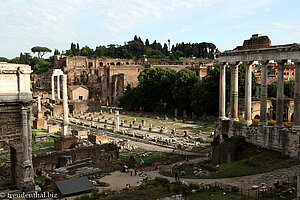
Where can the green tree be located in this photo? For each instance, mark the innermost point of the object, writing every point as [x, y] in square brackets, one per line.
[3, 59]
[184, 83]
[40, 50]
[288, 89]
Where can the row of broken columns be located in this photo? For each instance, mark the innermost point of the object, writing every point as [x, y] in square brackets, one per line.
[263, 95]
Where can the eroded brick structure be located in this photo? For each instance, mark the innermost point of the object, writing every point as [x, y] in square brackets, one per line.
[104, 153]
[105, 78]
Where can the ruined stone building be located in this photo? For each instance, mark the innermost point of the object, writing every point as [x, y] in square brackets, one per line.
[278, 137]
[105, 78]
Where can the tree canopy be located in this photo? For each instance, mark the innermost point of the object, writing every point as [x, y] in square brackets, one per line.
[40, 50]
[288, 89]
[163, 90]
[137, 48]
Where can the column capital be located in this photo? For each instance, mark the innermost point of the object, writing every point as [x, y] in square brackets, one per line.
[264, 62]
[296, 62]
[281, 62]
[249, 62]
[223, 63]
[235, 63]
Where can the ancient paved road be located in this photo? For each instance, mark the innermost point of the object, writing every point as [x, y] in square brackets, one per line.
[138, 143]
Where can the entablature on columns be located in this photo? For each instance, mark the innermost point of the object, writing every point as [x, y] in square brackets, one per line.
[283, 52]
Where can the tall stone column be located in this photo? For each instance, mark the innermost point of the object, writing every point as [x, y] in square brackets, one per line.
[58, 87]
[297, 97]
[231, 92]
[66, 130]
[235, 91]
[280, 93]
[264, 94]
[25, 171]
[222, 91]
[25, 134]
[52, 87]
[117, 120]
[248, 93]
[39, 104]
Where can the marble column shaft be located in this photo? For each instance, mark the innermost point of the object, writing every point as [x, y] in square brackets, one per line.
[248, 92]
[25, 134]
[65, 106]
[235, 91]
[222, 91]
[280, 94]
[39, 104]
[264, 94]
[297, 97]
[52, 87]
[117, 120]
[58, 87]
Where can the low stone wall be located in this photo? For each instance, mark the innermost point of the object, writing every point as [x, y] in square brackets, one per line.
[51, 160]
[284, 140]
[84, 106]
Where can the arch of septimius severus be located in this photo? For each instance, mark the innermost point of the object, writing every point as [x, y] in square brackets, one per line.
[259, 49]
[15, 117]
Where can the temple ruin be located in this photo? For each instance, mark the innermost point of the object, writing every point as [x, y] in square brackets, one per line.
[259, 49]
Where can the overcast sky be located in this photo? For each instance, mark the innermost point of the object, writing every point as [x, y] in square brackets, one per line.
[226, 23]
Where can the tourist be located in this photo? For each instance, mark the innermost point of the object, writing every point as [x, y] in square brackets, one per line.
[156, 166]
[131, 172]
[176, 176]
[135, 171]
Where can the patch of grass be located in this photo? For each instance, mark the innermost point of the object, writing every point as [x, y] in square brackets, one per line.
[42, 150]
[261, 161]
[39, 132]
[199, 149]
[217, 194]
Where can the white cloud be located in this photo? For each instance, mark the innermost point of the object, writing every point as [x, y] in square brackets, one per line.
[51, 23]
[267, 10]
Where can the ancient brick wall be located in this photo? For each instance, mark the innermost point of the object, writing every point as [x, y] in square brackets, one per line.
[98, 153]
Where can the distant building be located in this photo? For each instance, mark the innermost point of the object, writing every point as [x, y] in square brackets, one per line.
[78, 92]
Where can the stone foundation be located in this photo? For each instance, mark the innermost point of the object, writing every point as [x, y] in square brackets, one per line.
[98, 153]
[284, 140]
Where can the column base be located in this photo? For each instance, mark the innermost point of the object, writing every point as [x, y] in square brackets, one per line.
[66, 130]
[248, 122]
[263, 123]
[27, 185]
[296, 127]
[235, 119]
[223, 118]
[279, 126]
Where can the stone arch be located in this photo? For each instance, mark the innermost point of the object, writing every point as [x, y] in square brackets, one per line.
[101, 64]
[257, 117]
[118, 63]
[238, 153]
[112, 63]
[292, 117]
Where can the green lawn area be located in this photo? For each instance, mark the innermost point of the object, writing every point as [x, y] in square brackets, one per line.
[154, 190]
[217, 194]
[155, 156]
[262, 161]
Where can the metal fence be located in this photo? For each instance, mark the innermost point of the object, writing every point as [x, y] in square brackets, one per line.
[258, 193]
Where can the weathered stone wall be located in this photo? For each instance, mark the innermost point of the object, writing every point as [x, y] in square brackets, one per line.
[283, 140]
[98, 153]
[62, 143]
[84, 106]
